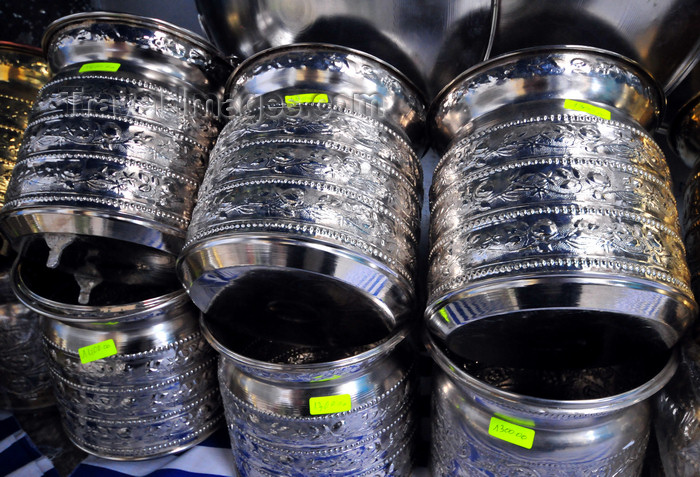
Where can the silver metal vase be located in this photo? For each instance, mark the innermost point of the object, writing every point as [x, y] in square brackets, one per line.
[117, 142]
[551, 207]
[151, 393]
[301, 411]
[508, 422]
[310, 207]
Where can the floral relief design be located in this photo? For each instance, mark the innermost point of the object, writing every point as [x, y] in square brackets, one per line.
[308, 207]
[86, 94]
[572, 138]
[556, 241]
[461, 449]
[550, 193]
[321, 123]
[96, 176]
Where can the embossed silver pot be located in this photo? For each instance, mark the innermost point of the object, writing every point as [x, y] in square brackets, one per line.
[117, 142]
[157, 395]
[691, 220]
[677, 417]
[552, 214]
[24, 372]
[23, 71]
[584, 422]
[297, 411]
[312, 196]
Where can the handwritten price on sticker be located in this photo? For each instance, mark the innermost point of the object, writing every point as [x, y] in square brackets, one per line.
[330, 404]
[97, 351]
[509, 432]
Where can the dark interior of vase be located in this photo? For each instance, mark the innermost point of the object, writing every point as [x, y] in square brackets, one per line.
[97, 272]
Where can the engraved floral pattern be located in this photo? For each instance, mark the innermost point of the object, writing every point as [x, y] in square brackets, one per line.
[550, 195]
[170, 44]
[119, 97]
[322, 122]
[317, 161]
[460, 448]
[374, 438]
[354, 68]
[312, 205]
[137, 405]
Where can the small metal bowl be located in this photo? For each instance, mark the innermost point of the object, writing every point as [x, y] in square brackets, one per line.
[306, 411]
[156, 395]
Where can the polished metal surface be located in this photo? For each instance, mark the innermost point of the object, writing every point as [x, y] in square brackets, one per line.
[24, 372]
[156, 396]
[587, 422]
[310, 211]
[542, 214]
[677, 417]
[23, 71]
[662, 35]
[537, 81]
[431, 41]
[269, 390]
[117, 154]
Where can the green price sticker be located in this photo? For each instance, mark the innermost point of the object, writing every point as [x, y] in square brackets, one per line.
[99, 66]
[586, 108]
[509, 432]
[329, 404]
[320, 379]
[295, 99]
[97, 351]
[445, 316]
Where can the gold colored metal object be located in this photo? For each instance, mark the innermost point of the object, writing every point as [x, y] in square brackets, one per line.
[22, 72]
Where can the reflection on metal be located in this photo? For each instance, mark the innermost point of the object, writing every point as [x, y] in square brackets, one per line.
[432, 41]
[662, 36]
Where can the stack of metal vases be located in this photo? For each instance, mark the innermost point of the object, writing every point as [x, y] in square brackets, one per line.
[557, 276]
[24, 376]
[302, 255]
[97, 209]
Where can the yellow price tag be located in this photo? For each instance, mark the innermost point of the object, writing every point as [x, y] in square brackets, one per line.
[97, 351]
[99, 66]
[586, 108]
[509, 432]
[294, 99]
[330, 404]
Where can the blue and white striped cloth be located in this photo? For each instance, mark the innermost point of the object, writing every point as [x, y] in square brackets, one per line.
[19, 457]
[210, 458]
